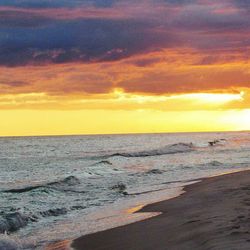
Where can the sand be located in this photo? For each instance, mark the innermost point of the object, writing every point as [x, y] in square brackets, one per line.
[211, 214]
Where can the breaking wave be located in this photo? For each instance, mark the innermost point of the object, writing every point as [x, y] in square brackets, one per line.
[103, 162]
[169, 149]
[12, 222]
[53, 212]
[61, 185]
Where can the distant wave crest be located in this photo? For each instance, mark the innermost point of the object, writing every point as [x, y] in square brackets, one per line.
[169, 149]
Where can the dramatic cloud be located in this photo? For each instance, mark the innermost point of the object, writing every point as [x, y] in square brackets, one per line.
[82, 48]
[57, 3]
[87, 31]
[158, 73]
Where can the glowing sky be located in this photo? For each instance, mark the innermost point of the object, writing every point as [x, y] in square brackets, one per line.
[120, 66]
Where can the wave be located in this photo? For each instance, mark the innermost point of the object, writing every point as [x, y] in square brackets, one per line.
[155, 171]
[70, 180]
[66, 184]
[61, 185]
[8, 244]
[169, 149]
[54, 212]
[103, 162]
[120, 188]
[215, 163]
[12, 222]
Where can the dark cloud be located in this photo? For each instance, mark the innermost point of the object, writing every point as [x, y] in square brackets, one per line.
[244, 4]
[38, 37]
[80, 40]
[40, 4]
[203, 20]
[15, 19]
[179, 2]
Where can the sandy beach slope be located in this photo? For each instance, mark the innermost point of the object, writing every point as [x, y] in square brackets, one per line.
[212, 214]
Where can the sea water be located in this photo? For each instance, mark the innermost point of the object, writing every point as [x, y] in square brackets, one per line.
[61, 187]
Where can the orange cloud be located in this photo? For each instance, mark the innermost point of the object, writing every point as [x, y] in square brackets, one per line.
[163, 74]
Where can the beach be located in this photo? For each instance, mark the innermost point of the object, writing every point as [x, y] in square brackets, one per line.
[211, 214]
[125, 125]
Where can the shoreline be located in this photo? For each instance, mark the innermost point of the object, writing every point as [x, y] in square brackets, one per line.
[196, 219]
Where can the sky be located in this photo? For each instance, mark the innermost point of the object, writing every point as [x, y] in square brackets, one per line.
[124, 66]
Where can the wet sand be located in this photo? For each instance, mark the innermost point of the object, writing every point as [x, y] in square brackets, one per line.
[60, 245]
[211, 214]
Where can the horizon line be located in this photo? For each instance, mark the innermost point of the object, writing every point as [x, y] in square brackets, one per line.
[129, 133]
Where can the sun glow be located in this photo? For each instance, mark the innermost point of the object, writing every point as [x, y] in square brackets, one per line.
[53, 122]
[240, 119]
[122, 112]
[214, 98]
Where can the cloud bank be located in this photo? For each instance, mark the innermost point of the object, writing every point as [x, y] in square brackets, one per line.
[92, 47]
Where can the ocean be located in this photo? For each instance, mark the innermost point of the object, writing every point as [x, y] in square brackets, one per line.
[61, 187]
